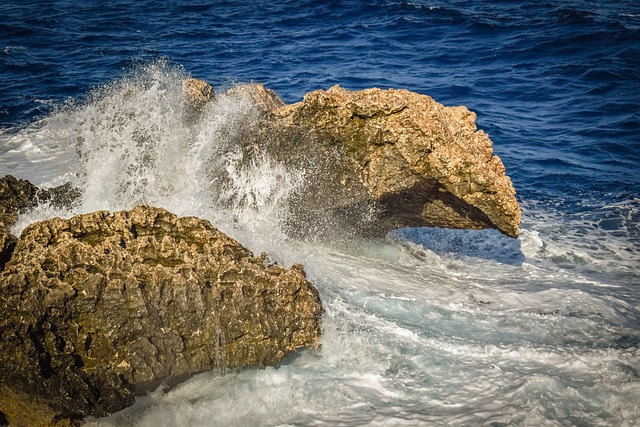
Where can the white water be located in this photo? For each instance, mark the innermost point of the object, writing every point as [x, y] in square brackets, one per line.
[424, 327]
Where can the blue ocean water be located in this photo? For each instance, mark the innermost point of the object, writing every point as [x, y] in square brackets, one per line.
[426, 327]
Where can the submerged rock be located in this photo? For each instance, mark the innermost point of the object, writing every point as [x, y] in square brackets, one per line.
[101, 307]
[382, 159]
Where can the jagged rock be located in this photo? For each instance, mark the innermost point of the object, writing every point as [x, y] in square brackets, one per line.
[15, 197]
[101, 307]
[198, 92]
[19, 195]
[381, 159]
[265, 99]
[418, 162]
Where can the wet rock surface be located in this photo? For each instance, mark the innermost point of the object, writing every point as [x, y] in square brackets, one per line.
[101, 307]
[382, 159]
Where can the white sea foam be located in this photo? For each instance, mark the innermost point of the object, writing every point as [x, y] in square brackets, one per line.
[8, 50]
[425, 327]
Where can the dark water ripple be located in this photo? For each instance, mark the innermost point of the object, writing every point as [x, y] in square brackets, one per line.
[556, 84]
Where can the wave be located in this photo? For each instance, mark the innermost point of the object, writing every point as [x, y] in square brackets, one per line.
[131, 142]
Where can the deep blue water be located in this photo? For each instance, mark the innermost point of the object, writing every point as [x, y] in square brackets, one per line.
[555, 84]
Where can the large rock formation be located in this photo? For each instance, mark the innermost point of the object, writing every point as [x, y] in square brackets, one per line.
[101, 307]
[381, 159]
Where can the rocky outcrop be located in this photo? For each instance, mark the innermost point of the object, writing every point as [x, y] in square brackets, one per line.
[382, 159]
[16, 195]
[101, 307]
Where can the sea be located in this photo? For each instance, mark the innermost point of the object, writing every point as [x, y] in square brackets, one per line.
[423, 326]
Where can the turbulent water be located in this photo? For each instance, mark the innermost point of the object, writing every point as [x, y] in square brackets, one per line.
[424, 326]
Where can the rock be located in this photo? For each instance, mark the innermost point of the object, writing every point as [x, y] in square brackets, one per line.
[198, 92]
[265, 99]
[375, 160]
[16, 196]
[396, 157]
[19, 195]
[102, 307]
[64, 196]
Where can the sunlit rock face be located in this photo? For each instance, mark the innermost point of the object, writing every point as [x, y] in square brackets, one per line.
[381, 159]
[101, 307]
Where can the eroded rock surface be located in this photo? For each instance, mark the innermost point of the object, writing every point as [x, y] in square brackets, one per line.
[382, 159]
[101, 307]
[15, 197]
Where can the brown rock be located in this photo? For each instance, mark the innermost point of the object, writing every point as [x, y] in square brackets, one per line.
[394, 156]
[101, 307]
[198, 92]
[265, 99]
[16, 196]
[381, 159]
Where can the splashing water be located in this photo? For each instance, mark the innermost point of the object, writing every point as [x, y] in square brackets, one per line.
[427, 326]
[133, 142]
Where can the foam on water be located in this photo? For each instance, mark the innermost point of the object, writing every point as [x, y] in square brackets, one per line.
[427, 326]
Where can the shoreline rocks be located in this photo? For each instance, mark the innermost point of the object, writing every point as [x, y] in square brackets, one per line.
[102, 307]
[377, 159]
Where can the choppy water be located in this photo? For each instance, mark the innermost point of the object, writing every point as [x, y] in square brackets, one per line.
[425, 326]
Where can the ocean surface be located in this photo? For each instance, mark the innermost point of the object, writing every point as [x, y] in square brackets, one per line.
[423, 326]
